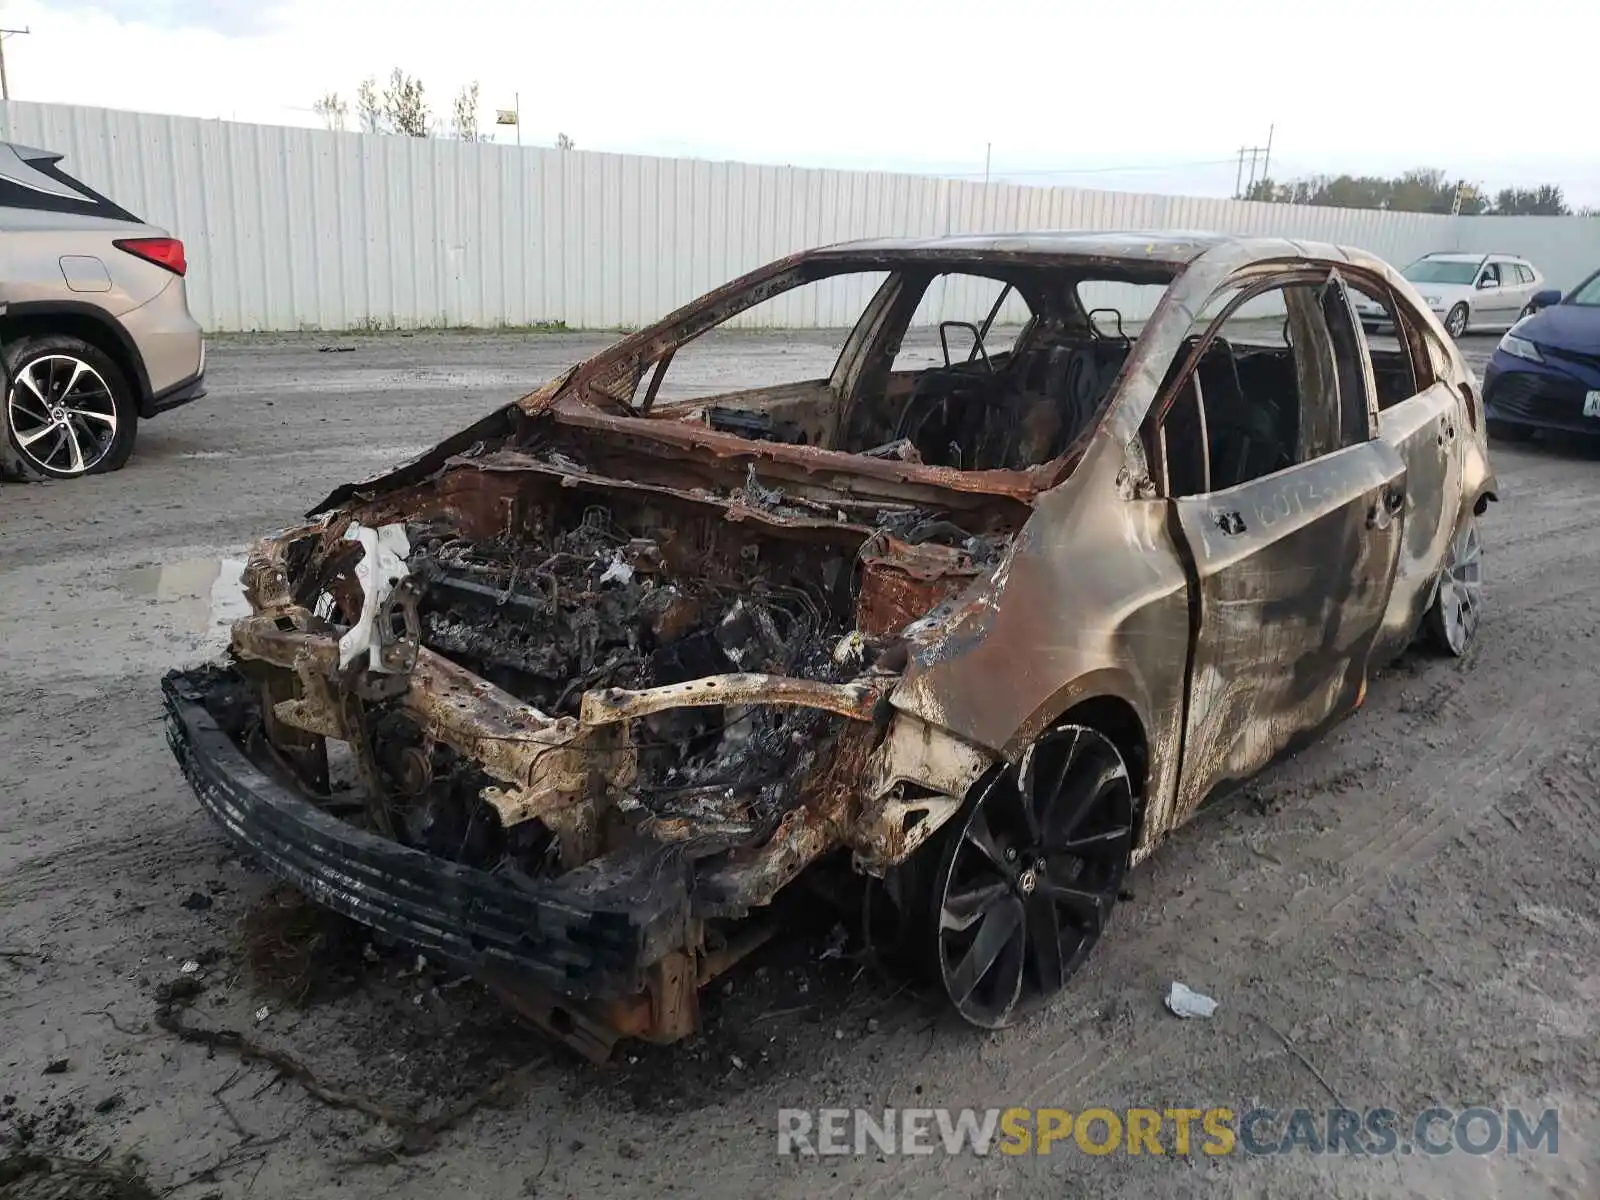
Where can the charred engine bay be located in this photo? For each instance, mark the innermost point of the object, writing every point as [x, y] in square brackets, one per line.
[595, 586]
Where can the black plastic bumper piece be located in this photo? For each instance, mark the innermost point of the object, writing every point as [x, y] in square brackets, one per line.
[183, 393]
[588, 934]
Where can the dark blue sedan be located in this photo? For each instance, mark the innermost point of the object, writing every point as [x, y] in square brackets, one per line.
[1545, 373]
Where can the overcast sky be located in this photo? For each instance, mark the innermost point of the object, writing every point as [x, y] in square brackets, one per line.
[1066, 93]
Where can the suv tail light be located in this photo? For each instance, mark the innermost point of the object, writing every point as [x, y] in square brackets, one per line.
[164, 252]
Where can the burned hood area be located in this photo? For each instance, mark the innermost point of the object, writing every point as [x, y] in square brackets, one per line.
[568, 567]
[619, 590]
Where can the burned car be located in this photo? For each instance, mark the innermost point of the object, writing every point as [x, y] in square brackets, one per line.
[1079, 528]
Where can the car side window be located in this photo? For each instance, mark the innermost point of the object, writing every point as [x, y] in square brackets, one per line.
[696, 368]
[1524, 273]
[1491, 274]
[1391, 342]
[1261, 384]
[973, 317]
[1437, 359]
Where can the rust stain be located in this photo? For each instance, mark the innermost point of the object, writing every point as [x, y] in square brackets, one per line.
[901, 582]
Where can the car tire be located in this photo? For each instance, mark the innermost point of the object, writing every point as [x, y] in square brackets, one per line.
[70, 411]
[1451, 622]
[1502, 431]
[1455, 321]
[1027, 874]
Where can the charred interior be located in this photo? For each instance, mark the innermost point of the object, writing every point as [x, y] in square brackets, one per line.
[1021, 380]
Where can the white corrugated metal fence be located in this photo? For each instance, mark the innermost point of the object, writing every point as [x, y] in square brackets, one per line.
[298, 228]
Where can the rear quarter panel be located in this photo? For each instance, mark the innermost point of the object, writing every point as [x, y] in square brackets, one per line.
[32, 245]
[1091, 601]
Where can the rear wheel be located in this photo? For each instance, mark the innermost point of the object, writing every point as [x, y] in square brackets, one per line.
[1029, 873]
[1455, 321]
[69, 410]
[1451, 621]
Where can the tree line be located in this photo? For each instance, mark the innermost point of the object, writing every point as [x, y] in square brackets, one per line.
[1422, 190]
[401, 107]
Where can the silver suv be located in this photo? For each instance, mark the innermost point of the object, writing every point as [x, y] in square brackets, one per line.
[94, 322]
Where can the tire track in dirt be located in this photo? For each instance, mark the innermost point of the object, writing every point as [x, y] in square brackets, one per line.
[110, 857]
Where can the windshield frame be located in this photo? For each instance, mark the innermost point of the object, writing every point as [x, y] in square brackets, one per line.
[1471, 270]
[1593, 281]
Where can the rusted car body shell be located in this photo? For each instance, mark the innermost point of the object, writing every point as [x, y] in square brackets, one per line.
[1092, 601]
[1207, 633]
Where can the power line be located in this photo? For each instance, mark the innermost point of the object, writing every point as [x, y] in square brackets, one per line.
[1204, 162]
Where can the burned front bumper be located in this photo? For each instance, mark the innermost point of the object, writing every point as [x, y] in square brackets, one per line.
[590, 933]
[635, 897]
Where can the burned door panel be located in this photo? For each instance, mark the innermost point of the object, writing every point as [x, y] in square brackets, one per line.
[1294, 574]
[1424, 432]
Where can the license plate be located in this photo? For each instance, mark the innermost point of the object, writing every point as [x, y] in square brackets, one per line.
[1591, 404]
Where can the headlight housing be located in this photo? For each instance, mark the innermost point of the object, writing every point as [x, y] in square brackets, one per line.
[1432, 301]
[1520, 347]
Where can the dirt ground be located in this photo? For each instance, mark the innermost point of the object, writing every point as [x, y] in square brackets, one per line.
[1412, 903]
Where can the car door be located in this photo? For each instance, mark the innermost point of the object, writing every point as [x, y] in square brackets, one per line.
[1291, 567]
[1513, 293]
[1496, 290]
[1528, 284]
[1418, 415]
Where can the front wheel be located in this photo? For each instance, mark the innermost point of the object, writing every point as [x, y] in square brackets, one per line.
[1029, 872]
[1455, 321]
[1451, 621]
[69, 411]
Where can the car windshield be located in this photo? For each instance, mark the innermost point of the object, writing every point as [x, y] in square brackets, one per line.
[1587, 293]
[935, 358]
[1436, 270]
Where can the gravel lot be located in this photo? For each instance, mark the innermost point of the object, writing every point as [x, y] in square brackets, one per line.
[1412, 903]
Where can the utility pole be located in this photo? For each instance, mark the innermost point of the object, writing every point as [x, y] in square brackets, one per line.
[987, 147]
[5, 86]
[1252, 151]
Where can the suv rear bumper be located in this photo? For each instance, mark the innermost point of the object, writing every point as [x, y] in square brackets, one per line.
[176, 396]
[589, 934]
